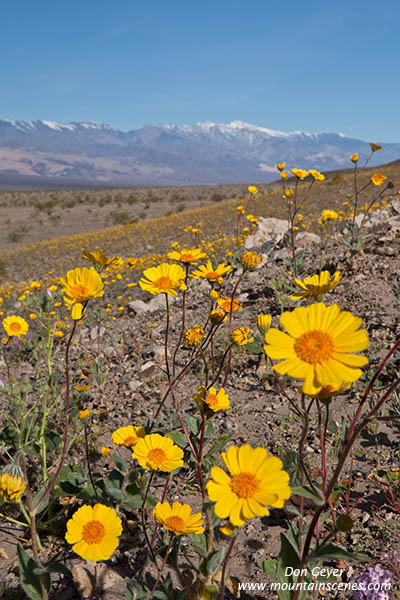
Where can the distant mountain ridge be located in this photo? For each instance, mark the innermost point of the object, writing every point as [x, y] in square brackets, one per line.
[89, 153]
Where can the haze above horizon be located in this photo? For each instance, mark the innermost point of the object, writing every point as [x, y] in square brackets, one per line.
[312, 68]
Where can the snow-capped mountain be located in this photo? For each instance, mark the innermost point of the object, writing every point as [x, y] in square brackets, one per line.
[205, 153]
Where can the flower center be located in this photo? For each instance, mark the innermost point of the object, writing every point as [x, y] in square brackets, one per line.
[79, 292]
[93, 532]
[213, 275]
[245, 485]
[314, 347]
[130, 441]
[186, 257]
[164, 283]
[176, 523]
[157, 456]
[212, 400]
[15, 326]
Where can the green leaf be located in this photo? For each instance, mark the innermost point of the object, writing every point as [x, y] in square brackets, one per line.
[306, 492]
[269, 567]
[330, 551]
[120, 463]
[30, 582]
[214, 561]
[254, 347]
[194, 424]
[288, 554]
[199, 542]
[178, 437]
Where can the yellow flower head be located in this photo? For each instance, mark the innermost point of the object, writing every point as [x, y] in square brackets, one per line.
[178, 518]
[264, 323]
[252, 189]
[329, 391]
[84, 414]
[93, 532]
[164, 279]
[252, 219]
[35, 285]
[257, 482]
[317, 285]
[217, 316]
[208, 272]
[328, 215]
[127, 436]
[317, 175]
[354, 158]
[227, 529]
[375, 147]
[82, 388]
[214, 294]
[284, 175]
[210, 401]
[99, 258]
[194, 335]
[300, 173]
[105, 451]
[12, 485]
[289, 193]
[79, 286]
[378, 178]
[241, 335]
[228, 304]
[158, 452]
[319, 346]
[15, 326]
[240, 209]
[187, 257]
[280, 166]
[250, 260]
[32, 316]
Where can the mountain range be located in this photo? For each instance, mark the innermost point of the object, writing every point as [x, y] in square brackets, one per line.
[88, 154]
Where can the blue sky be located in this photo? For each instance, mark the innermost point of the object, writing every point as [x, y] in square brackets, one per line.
[310, 66]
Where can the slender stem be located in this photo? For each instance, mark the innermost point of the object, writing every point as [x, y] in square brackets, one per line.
[88, 463]
[161, 569]
[224, 566]
[66, 423]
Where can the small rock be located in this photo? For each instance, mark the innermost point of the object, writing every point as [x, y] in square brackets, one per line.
[134, 385]
[96, 332]
[148, 369]
[97, 579]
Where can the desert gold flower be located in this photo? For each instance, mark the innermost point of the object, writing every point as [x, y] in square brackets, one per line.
[250, 260]
[82, 388]
[354, 158]
[241, 336]
[227, 529]
[105, 451]
[300, 173]
[194, 335]
[97, 257]
[284, 175]
[228, 304]
[317, 285]
[258, 482]
[280, 166]
[211, 400]
[35, 285]
[217, 316]
[164, 279]
[252, 219]
[32, 316]
[158, 452]
[208, 272]
[317, 175]
[375, 147]
[319, 346]
[264, 323]
[93, 532]
[328, 215]
[15, 326]
[378, 178]
[12, 484]
[127, 436]
[252, 189]
[187, 257]
[288, 193]
[178, 518]
[79, 286]
[214, 294]
[84, 414]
